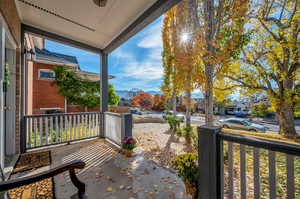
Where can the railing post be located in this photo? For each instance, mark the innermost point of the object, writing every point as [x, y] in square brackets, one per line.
[209, 151]
[127, 125]
[23, 136]
[103, 89]
[102, 126]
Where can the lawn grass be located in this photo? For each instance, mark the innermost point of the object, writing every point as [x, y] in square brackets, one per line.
[267, 135]
[281, 184]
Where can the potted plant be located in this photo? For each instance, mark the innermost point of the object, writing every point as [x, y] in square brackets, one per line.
[187, 168]
[128, 144]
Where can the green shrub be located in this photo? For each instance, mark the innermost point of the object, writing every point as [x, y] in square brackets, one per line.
[297, 114]
[180, 132]
[188, 132]
[195, 139]
[173, 121]
[187, 167]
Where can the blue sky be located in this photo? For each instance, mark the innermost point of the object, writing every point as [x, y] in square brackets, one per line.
[136, 64]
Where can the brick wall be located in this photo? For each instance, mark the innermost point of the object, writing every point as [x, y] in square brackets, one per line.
[45, 91]
[9, 12]
[78, 109]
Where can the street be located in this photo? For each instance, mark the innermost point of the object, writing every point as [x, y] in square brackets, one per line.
[199, 120]
[272, 127]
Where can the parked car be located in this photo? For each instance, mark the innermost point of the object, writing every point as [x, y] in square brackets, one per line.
[136, 111]
[243, 124]
[242, 113]
[179, 115]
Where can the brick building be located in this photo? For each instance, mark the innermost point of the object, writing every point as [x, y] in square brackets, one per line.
[43, 96]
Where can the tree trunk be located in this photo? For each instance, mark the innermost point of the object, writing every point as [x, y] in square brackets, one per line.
[188, 108]
[209, 98]
[174, 103]
[209, 68]
[285, 116]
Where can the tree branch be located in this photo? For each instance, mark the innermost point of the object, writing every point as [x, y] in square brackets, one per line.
[228, 88]
[282, 10]
[218, 16]
[244, 84]
[269, 31]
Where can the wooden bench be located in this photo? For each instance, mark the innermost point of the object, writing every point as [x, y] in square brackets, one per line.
[71, 166]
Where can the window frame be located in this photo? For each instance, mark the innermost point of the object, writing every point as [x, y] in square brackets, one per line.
[46, 71]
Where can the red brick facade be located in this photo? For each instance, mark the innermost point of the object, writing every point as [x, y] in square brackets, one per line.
[45, 94]
[45, 91]
[9, 12]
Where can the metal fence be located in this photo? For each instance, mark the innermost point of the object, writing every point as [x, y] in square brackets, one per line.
[236, 166]
[49, 129]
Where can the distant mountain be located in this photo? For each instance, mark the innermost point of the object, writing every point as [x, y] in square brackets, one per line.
[154, 92]
[128, 94]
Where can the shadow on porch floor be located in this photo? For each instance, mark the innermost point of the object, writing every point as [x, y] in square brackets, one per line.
[108, 174]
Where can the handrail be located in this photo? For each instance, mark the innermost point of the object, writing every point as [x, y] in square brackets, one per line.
[70, 166]
[59, 114]
[291, 149]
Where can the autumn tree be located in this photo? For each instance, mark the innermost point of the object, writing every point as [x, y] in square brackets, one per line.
[178, 39]
[270, 63]
[143, 100]
[206, 35]
[220, 37]
[169, 36]
[159, 101]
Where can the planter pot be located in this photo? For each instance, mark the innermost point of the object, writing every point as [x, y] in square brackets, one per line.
[190, 190]
[127, 152]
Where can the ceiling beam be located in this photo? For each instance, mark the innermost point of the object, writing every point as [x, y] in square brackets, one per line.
[59, 38]
[154, 12]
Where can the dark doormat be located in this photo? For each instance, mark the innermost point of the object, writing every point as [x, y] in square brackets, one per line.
[43, 189]
[33, 160]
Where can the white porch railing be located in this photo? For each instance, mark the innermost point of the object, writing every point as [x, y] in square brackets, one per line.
[45, 130]
[117, 126]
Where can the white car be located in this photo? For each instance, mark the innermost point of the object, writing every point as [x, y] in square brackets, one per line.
[243, 124]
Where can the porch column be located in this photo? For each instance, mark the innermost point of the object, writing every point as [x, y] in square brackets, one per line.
[210, 174]
[103, 89]
[2, 63]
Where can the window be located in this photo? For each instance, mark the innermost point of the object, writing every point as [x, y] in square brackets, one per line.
[234, 122]
[46, 74]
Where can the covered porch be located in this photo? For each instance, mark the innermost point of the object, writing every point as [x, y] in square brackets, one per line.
[100, 27]
[107, 174]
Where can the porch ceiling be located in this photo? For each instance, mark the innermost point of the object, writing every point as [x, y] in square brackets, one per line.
[83, 21]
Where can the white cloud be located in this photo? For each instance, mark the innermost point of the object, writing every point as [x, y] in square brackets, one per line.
[152, 38]
[144, 72]
[148, 69]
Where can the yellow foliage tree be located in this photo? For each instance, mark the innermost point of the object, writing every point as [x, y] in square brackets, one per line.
[270, 62]
[219, 40]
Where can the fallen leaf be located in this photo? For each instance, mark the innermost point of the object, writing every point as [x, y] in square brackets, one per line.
[109, 189]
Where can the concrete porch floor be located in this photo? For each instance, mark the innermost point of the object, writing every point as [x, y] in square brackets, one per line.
[110, 175]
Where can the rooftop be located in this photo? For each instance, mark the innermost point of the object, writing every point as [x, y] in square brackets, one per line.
[46, 55]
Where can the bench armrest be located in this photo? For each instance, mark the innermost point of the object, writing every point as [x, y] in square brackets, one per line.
[70, 166]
